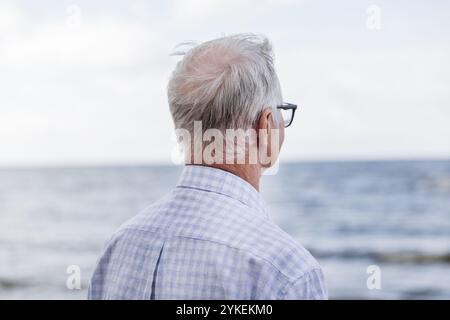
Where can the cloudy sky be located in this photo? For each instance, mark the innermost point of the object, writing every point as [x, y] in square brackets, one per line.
[84, 82]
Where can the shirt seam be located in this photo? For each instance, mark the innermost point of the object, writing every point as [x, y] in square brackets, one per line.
[283, 291]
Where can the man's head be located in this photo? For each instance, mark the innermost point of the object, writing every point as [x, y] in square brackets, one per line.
[228, 83]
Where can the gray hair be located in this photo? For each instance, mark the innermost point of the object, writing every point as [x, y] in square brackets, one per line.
[225, 83]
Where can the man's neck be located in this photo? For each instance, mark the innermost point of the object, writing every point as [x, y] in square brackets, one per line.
[249, 173]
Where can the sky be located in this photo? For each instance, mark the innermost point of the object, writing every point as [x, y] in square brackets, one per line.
[84, 82]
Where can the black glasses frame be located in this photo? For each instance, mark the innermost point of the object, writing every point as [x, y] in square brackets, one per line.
[288, 106]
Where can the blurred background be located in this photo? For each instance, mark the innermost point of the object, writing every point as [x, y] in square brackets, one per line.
[86, 135]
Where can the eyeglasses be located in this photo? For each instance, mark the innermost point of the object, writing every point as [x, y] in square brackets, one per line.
[287, 112]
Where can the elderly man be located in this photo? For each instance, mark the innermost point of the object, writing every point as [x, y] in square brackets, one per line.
[211, 237]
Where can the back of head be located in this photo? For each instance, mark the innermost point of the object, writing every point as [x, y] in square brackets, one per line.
[224, 83]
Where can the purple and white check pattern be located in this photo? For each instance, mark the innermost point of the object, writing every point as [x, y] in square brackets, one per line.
[210, 238]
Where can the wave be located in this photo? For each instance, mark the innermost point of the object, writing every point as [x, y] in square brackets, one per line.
[438, 184]
[386, 257]
[8, 284]
[413, 258]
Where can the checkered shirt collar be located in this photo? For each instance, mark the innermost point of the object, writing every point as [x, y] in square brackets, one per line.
[222, 182]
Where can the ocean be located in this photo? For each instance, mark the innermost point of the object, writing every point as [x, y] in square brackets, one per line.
[354, 217]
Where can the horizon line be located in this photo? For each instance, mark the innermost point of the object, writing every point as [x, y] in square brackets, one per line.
[126, 164]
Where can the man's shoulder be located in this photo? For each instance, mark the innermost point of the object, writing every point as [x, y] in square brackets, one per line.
[287, 255]
[231, 224]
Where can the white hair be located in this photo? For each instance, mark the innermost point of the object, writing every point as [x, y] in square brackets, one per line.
[225, 83]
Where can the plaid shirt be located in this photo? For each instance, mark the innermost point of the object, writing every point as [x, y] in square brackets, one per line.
[210, 238]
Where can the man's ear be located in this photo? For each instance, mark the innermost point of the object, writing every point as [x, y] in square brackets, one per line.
[264, 124]
[265, 120]
[264, 130]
